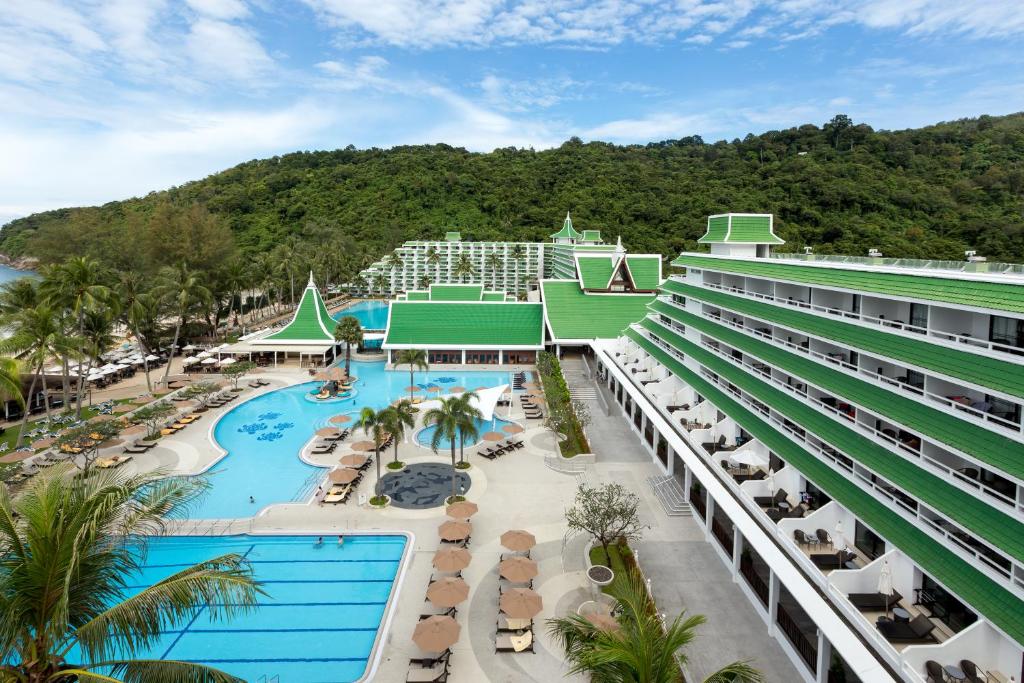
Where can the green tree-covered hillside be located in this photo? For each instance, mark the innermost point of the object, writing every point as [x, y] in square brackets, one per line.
[842, 187]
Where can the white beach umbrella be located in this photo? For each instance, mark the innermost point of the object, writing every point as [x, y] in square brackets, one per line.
[885, 586]
[209, 361]
[203, 354]
[152, 358]
[189, 347]
[54, 370]
[190, 360]
[838, 541]
[749, 457]
[227, 361]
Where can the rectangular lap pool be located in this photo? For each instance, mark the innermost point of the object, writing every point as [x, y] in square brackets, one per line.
[318, 622]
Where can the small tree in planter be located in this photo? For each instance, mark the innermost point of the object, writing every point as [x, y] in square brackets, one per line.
[607, 512]
[200, 391]
[84, 441]
[152, 415]
[236, 371]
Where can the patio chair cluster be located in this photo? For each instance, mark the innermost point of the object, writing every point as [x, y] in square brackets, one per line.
[966, 672]
[327, 444]
[530, 407]
[257, 383]
[501, 449]
[777, 507]
[518, 603]
[179, 424]
[221, 399]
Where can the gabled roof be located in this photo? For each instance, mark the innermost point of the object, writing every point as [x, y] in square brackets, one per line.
[596, 270]
[453, 236]
[644, 270]
[591, 236]
[459, 325]
[311, 323]
[741, 228]
[449, 292]
[567, 231]
[572, 314]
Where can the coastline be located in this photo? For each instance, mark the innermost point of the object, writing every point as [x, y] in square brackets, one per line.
[23, 263]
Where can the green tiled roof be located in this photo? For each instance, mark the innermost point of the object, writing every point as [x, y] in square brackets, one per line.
[431, 323]
[595, 271]
[1001, 607]
[998, 528]
[591, 236]
[456, 292]
[718, 229]
[494, 296]
[453, 236]
[645, 270]
[982, 370]
[572, 314]
[417, 296]
[311, 322]
[567, 231]
[992, 295]
[989, 447]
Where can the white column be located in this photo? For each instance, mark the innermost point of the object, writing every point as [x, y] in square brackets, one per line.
[824, 657]
[687, 482]
[501, 357]
[737, 547]
[463, 356]
[773, 602]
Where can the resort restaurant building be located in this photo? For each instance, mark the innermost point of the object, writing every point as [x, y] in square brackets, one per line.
[848, 433]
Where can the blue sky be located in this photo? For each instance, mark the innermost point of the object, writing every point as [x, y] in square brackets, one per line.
[107, 100]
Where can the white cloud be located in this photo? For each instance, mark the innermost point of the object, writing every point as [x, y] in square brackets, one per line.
[523, 95]
[227, 49]
[220, 9]
[699, 39]
[840, 102]
[737, 44]
[658, 126]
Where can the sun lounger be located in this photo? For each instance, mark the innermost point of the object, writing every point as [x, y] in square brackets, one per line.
[111, 462]
[337, 498]
[506, 624]
[919, 628]
[873, 601]
[167, 431]
[514, 643]
[136, 449]
[506, 556]
[432, 610]
[428, 662]
[254, 385]
[418, 674]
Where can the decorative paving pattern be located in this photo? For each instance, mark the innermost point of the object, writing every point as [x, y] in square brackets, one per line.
[422, 486]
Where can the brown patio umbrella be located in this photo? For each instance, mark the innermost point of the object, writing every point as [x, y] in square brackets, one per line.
[342, 475]
[493, 436]
[436, 633]
[448, 591]
[454, 531]
[520, 603]
[603, 622]
[457, 390]
[518, 569]
[353, 460]
[433, 389]
[327, 431]
[340, 419]
[512, 429]
[518, 540]
[362, 446]
[411, 388]
[451, 559]
[481, 388]
[321, 377]
[44, 443]
[462, 510]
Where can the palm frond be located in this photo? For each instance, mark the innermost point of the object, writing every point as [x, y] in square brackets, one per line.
[737, 672]
[166, 671]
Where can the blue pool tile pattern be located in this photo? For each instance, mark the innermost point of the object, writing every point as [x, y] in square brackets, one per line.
[424, 485]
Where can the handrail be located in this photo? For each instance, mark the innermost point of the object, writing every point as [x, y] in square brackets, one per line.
[990, 267]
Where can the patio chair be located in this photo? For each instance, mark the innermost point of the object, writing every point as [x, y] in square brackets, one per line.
[874, 602]
[771, 501]
[803, 539]
[970, 670]
[438, 673]
[136, 449]
[433, 610]
[428, 662]
[832, 560]
[509, 642]
[823, 537]
[918, 629]
[934, 672]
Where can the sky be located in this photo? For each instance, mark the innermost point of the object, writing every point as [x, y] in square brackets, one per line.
[105, 100]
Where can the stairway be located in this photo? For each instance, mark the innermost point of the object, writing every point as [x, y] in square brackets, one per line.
[581, 388]
[670, 494]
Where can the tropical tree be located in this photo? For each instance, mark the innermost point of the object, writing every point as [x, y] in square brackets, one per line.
[349, 331]
[424, 282]
[235, 371]
[518, 253]
[86, 440]
[434, 259]
[607, 512]
[414, 359]
[641, 649]
[180, 288]
[468, 415]
[234, 277]
[71, 548]
[374, 424]
[445, 418]
[10, 381]
[287, 259]
[19, 294]
[494, 262]
[141, 313]
[152, 415]
[464, 267]
[397, 419]
[394, 263]
[379, 283]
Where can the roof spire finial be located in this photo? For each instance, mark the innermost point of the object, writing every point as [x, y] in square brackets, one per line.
[618, 244]
[310, 283]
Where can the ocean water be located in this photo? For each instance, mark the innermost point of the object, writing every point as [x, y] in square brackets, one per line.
[7, 274]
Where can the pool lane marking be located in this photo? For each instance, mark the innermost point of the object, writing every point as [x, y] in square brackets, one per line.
[303, 581]
[303, 604]
[370, 629]
[186, 564]
[196, 615]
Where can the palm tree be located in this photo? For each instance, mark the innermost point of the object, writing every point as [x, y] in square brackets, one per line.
[71, 550]
[349, 331]
[468, 415]
[434, 259]
[445, 419]
[374, 423]
[140, 313]
[10, 381]
[517, 254]
[493, 261]
[424, 282]
[18, 294]
[415, 359]
[180, 288]
[286, 256]
[234, 277]
[464, 267]
[642, 649]
[394, 262]
[379, 283]
[397, 418]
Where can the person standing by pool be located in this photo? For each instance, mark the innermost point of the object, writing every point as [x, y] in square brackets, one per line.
[319, 542]
[341, 540]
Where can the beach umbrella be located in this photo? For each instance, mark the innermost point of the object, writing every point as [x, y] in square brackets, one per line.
[603, 622]
[190, 360]
[838, 542]
[512, 429]
[152, 358]
[209, 361]
[749, 457]
[189, 347]
[448, 591]
[340, 419]
[43, 443]
[518, 569]
[451, 559]
[521, 603]
[342, 476]
[493, 436]
[457, 390]
[885, 586]
[327, 431]
[518, 540]
[433, 389]
[454, 531]
[411, 388]
[462, 509]
[203, 354]
[436, 633]
[228, 361]
[362, 446]
[353, 460]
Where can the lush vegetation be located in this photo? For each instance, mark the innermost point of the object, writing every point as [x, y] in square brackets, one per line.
[454, 420]
[841, 187]
[565, 416]
[609, 513]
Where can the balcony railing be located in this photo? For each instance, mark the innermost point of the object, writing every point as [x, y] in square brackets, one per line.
[991, 267]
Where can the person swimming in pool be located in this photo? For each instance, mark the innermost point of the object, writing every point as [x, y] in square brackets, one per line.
[319, 542]
[341, 540]
[251, 499]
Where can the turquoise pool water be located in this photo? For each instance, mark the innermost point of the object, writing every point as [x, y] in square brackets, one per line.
[424, 436]
[372, 315]
[318, 621]
[264, 436]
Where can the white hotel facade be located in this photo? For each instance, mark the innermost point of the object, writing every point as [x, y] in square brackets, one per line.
[849, 433]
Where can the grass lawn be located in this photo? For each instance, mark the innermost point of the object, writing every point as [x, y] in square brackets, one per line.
[617, 564]
[10, 436]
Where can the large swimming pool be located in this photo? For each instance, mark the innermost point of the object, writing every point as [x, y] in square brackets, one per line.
[318, 622]
[264, 436]
[372, 315]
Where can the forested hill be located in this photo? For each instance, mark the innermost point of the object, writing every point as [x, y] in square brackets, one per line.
[842, 187]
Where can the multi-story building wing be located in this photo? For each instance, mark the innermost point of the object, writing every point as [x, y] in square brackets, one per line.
[849, 431]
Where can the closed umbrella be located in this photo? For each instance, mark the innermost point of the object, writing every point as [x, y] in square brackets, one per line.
[462, 510]
[885, 586]
[521, 603]
[770, 480]
[436, 633]
[838, 542]
[454, 531]
[518, 569]
[448, 591]
[342, 476]
[518, 540]
[451, 559]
